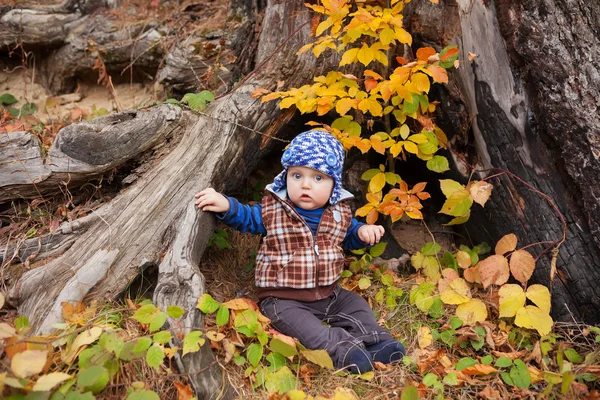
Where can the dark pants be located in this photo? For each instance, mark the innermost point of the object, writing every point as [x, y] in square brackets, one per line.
[351, 323]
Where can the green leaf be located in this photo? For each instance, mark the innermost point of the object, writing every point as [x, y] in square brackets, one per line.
[239, 360]
[145, 314]
[222, 316]
[431, 249]
[437, 308]
[28, 109]
[172, 101]
[162, 337]
[410, 393]
[92, 379]
[281, 381]
[387, 279]
[72, 395]
[158, 321]
[142, 344]
[248, 318]
[206, 95]
[448, 62]
[503, 362]
[143, 395]
[195, 101]
[279, 346]
[7, 99]
[506, 378]
[455, 322]
[364, 283]
[430, 379]
[319, 357]
[276, 361]
[450, 379]
[458, 204]
[438, 164]
[391, 303]
[573, 356]
[192, 342]
[487, 360]
[21, 323]
[411, 107]
[175, 311]
[128, 352]
[346, 273]
[465, 362]
[207, 304]
[520, 375]
[254, 353]
[377, 249]
[111, 342]
[155, 357]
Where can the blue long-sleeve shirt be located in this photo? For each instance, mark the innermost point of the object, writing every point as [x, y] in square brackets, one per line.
[246, 218]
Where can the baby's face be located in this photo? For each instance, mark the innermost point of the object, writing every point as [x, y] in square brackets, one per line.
[308, 188]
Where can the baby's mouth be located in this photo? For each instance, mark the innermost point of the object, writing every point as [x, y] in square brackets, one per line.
[305, 197]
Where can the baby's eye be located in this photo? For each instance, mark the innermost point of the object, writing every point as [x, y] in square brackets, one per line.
[297, 176]
[318, 178]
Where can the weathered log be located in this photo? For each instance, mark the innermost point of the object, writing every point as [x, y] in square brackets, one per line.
[80, 152]
[154, 222]
[531, 117]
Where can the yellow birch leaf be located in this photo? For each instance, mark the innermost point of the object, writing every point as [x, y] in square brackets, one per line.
[506, 243]
[287, 102]
[403, 36]
[421, 82]
[463, 259]
[512, 298]
[364, 210]
[363, 105]
[375, 108]
[381, 57]
[457, 292]
[396, 149]
[47, 382]
[387, 36]
[493, 270]
[540, 295]
[533, 317]
[349, 57]
[522, 265]
[424, 337]
[365, 55]
[450, 186]
[323, 26]
[344, 105]
[480, 192]
[377, 183]
[438, 73]
[472, 312]
[28, 363]
[411, 147]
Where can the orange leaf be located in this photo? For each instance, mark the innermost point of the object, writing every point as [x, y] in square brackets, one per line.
[522, 265]
[425, 52]
[270, 96]
[373, 74]
[472, 274]
[438, 73]
[489, 393]
[479, 369]
[370, 84]
[448, 54]
[313, 25]
[241, 304]
[506, 243]
[419, 187]
[401, 60]
[184, 392]
[494, 270]
[372, 217]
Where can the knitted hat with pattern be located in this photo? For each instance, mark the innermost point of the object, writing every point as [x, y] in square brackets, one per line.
[318, 150]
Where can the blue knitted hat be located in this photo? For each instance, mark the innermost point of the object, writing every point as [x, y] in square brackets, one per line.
[318, 150]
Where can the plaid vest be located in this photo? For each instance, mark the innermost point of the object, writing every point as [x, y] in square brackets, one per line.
[291, 256]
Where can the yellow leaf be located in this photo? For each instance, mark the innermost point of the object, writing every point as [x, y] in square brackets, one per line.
[403, 36]
[241, 304]
[480, 192]
[387, 36]
[364, 210]
[421, 82]
[396, 148]
[377, 183]
[377, 145]
[533, 317]
[522, 265]
[463, 259]
[344, 105]
[83, 339]
[365, 55]
[506, 243]
[448, 275]
[304, 48]
[287, 102]
[28, 363]
[418, 138]
[381, 57]
[375, 108]
[493, 270]
[450, 186]
[373, 74]
[540, 295]
[457, 292]
[512, 298]
[270, 96]
[6, 331]
[349, 57]
[438, 73]
[363, 105]
[458, 204]
[472, 312]
[424, 337]
[411, 147]
[323, 26]
[319, 357]
[47, 382]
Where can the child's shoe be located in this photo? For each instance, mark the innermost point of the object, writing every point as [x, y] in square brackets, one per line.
[358, 361]
[388, 351]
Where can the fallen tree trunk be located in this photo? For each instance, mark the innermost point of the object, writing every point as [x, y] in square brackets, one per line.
[154, 223]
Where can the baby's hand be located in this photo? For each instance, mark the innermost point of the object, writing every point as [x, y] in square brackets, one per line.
[370, 234]
[211, 200]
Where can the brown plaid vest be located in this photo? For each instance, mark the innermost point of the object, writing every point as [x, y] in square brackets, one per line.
[291, 256]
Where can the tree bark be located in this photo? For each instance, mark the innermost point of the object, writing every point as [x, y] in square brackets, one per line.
[531, 96]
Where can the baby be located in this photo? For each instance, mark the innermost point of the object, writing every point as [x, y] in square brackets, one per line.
[306, 223]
